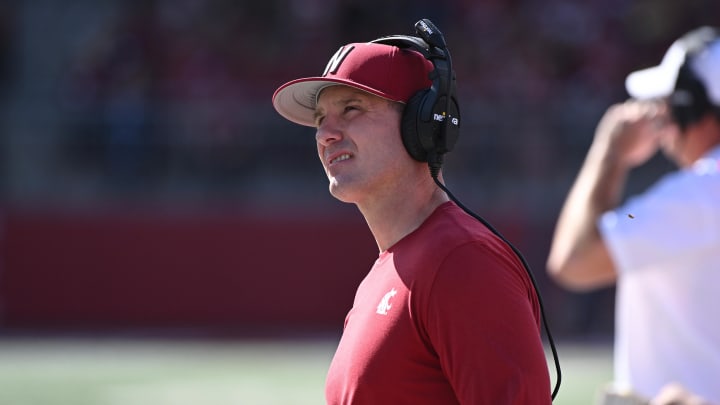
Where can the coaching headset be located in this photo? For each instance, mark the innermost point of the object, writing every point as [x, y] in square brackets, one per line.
[431, 125]
[689, 101]
[431, 120]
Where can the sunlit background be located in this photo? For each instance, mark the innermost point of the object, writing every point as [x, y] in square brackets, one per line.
[153, 205]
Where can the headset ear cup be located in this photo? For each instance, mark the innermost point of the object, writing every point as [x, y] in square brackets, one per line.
[689, 100]
[410, 130]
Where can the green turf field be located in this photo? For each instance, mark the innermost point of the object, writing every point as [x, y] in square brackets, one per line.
[171, 372]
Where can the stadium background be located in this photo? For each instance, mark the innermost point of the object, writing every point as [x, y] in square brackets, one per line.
[147, 186]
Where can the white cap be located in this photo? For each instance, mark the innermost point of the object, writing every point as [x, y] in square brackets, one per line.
[659, 81]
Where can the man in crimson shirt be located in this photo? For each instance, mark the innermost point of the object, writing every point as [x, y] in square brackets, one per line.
[447, 314]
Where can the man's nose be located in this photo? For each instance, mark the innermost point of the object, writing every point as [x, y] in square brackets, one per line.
[328, 132]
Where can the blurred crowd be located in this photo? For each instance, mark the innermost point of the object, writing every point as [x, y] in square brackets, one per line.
[170, 100]
[173, 96]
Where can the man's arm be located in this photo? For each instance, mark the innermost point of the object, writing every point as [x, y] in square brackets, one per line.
[626, 137]
[484, 324]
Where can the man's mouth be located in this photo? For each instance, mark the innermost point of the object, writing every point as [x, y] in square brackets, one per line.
[340, 158]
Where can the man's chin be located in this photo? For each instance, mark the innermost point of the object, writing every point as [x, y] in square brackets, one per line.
[342, 193]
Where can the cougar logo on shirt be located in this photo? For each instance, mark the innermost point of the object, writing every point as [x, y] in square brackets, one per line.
[385, 305]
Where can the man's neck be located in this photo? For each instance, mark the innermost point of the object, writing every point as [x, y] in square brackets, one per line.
[392, 218]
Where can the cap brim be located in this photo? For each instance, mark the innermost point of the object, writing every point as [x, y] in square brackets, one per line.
[296, 100]
[651, 83]
[657, 81]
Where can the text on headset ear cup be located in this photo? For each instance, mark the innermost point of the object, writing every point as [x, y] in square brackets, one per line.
[452, 131]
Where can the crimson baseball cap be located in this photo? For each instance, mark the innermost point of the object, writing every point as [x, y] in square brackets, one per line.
[383, 70]
[659, 81]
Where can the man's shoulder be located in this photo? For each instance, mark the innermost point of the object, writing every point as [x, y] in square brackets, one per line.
[698, 182]
[451, 228]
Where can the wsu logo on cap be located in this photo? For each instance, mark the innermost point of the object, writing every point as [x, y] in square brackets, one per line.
[337, 59]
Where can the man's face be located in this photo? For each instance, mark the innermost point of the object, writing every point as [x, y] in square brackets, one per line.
[359, 144]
